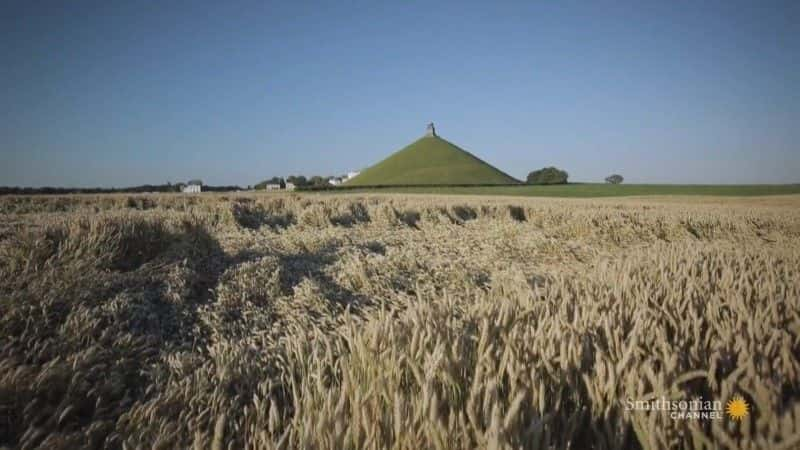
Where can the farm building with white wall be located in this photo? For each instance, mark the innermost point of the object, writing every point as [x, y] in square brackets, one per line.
[193, 187]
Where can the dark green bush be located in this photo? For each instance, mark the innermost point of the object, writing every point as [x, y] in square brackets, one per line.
[548, 175]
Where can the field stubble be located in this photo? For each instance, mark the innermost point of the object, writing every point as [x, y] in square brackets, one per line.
[394, 322]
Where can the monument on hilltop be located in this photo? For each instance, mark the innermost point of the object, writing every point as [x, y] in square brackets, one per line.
[430, 131]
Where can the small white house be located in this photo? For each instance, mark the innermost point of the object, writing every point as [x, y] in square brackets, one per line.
[273, 187]
[289, 186]
[335, 181]
[193, 187]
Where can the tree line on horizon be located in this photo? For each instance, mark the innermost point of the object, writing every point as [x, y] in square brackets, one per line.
[145, 188]
[545, 176]
[554, 175]
[299, 181]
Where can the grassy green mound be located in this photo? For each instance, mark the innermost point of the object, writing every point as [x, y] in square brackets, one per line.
[431, 161]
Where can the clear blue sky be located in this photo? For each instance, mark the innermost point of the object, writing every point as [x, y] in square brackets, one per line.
[126, 93]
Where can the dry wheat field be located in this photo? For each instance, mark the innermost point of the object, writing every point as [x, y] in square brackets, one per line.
[327, 322]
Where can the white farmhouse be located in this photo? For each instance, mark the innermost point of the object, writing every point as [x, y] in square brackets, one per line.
[273, 187]
[335, 181]
[193, 187]
[289, 186]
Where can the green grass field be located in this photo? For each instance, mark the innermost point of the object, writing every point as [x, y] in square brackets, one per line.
[600, 190]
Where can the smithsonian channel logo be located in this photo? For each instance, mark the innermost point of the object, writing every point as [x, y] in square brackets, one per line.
[736, 408]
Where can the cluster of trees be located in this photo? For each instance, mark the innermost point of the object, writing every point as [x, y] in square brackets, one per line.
[299, 181]
[274, 180]
[554, 175]
[548, 175]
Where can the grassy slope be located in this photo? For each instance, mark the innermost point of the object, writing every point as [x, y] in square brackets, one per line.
[606, 190]
[431, 160]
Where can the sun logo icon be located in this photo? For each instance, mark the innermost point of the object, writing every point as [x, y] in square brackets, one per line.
[737, 408]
